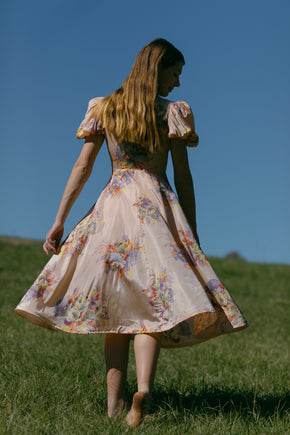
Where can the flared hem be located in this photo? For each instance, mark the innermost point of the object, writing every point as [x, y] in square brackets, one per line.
[39, 321]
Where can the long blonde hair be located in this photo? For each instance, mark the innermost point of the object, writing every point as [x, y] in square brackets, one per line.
[130, 112]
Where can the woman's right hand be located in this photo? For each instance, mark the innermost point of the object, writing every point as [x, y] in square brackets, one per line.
[53, 239]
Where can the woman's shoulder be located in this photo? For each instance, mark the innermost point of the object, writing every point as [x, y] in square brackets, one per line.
[94, 101]
[170, 106]
[179, 119]
[90, 125]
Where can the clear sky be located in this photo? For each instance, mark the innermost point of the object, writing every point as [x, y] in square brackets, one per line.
[57, 54]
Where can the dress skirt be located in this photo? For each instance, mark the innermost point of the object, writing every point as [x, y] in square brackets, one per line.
[131, 266]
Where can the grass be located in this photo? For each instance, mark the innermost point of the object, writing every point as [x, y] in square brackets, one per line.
[54, 383]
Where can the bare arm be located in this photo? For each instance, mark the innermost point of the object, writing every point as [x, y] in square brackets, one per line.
[78, 177]
[183, 182]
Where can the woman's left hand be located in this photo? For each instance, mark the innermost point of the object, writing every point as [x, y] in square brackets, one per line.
[53, 239]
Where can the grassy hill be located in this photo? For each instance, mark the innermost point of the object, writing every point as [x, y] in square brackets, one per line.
[54, 383]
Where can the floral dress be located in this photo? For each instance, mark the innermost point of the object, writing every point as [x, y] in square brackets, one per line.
[132, 265]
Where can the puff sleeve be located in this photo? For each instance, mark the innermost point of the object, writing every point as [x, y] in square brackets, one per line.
[181, 123]
[90, 125]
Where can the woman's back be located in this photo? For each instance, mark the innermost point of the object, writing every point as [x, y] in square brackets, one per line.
[174, 120]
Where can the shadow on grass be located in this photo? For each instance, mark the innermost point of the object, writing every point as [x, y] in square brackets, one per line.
[216, 400]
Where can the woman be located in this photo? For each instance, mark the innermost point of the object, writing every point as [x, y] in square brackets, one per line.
[133, 265]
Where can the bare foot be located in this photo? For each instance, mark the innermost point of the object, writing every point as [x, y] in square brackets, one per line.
[117, 409]
[135, 414]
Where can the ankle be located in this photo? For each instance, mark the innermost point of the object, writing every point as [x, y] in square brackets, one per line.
[144, 388]
[146, 400]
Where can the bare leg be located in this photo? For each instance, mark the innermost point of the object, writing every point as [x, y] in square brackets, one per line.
[116, 355]
[146, 347]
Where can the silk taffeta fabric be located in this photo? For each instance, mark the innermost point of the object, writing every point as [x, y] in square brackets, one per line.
[132, 265]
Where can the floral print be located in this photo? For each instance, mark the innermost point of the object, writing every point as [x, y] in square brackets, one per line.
[147, 213]
[122, 159]
[132, 264]
[174, 118]
[90, 125]
[160, 292]
[118, 183]
[182, 108]
[223, 301]
[185, 248]
[81, 313]
[120, 256]
[189, 241]
[77, 238]
[177, 253]
[140, 329]
[130, 156]
[168, 196]
[43, 285]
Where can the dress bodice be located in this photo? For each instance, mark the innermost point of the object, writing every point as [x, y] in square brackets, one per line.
[128, 156]
[175, 120]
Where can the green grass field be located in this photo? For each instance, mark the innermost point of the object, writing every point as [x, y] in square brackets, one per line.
[54, 383]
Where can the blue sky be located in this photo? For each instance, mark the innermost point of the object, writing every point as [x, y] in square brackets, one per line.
[57, 55]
